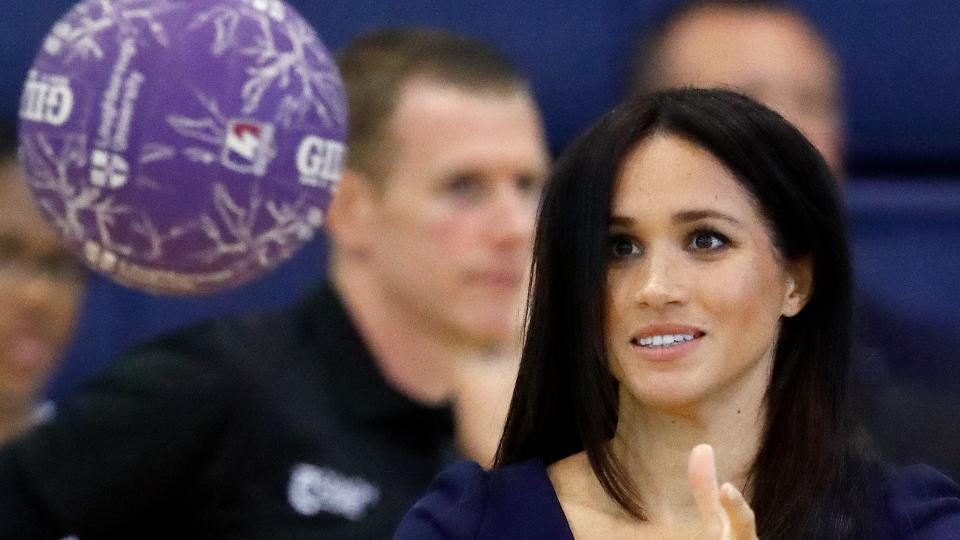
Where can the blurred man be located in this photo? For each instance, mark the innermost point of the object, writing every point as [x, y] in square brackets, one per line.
[325, 421]
[41, 286]
[760, 48]
[773, 53]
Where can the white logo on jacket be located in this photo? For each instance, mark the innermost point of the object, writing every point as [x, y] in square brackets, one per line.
[314, 489]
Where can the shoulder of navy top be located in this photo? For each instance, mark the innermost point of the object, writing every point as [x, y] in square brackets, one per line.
[465, 501]
[518, 501]
[925, 503]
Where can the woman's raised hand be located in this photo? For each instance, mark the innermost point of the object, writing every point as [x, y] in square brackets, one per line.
[725, 512]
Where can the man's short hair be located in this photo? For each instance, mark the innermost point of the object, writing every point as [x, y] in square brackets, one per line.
[375, 67]
[646, 68]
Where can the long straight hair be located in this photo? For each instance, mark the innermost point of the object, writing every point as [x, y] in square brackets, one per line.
[566, 400]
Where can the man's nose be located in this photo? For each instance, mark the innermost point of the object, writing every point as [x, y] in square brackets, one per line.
[513, 216]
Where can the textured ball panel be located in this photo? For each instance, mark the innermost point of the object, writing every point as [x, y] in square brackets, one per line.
[183, 146]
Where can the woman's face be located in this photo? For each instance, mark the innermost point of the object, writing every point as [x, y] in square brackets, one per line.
[695, 286]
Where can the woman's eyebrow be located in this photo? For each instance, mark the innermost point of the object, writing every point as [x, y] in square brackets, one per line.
[687, 216]
[623, 221]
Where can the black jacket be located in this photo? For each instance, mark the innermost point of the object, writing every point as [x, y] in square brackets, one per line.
[276, 427]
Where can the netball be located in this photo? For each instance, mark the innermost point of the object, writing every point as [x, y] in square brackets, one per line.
[181, 146]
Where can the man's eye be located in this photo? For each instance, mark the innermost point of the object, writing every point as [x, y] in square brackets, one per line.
[622, 247]
[466, 189]
[708, 241]
[10, 248]
[63, 267]
[529, 184]
[464, 185]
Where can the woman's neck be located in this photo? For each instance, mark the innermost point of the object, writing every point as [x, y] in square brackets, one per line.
[653, 447]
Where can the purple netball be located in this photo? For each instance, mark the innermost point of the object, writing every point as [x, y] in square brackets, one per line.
[183, 146]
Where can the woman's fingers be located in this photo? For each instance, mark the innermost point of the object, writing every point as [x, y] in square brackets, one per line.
[702, 475]
[739, 514]
[726, 514]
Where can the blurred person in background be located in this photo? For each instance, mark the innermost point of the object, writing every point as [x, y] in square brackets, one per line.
[329, 419]
[763, 49]
[41, 290]
[906, 377]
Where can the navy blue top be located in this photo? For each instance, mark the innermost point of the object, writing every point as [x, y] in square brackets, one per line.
[518, 501]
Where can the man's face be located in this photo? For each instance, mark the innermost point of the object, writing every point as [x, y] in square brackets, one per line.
[41, 286]
[773, 57]
[453, 223]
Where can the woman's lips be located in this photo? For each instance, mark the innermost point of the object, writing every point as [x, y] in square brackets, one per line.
[662, 342]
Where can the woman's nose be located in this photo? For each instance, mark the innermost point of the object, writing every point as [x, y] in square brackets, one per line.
[661, 281]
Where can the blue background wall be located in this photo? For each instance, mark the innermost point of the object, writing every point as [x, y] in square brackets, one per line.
[901, 60]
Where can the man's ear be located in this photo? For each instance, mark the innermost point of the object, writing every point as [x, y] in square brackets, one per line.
[352, 211]
[799, 285]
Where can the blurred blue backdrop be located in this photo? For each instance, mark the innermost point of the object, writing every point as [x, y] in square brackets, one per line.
[901, 62]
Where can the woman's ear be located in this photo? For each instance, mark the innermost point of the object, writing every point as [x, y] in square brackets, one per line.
[352, 211]
[799, 285]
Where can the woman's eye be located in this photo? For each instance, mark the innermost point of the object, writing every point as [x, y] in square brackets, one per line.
[707, 241]
[622, 247]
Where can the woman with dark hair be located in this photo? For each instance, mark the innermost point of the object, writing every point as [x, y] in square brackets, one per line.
[691, 285]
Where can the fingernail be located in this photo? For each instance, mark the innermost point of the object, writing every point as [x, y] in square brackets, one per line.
[731, 492]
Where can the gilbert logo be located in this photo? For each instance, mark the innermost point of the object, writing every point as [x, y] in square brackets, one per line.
[46, 98]
[108, 170]
[315, 489]
[319, 161]
[248, 147]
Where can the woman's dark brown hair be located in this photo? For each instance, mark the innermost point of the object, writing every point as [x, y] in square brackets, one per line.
[565, 400]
